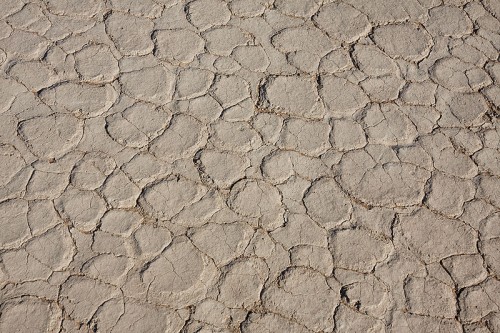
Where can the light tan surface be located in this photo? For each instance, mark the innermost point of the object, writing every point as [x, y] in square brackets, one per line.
[249, 166]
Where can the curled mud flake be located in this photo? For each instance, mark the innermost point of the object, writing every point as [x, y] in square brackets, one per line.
[170, 196]
[144, 317]
[297, 8]
[419, 93]
[96, 64]
[137, 125]
[372, 61]
[193, 83]
[306, 137]
[23, 72]
[51, 136]
[178, 46]
[205, 14]
[305, 296]
[157, 89]
[476, 302]
[82, 296]
[120, 221]
[253, 58]
[365, 293]
[181, 275]
[14, 222]
[300, 230]
[347, 135]
[30, 18]
[383, 89]
[151, 240]
[119, 191]
[489, 189]
[10, 7]
[248, 8]
[25, 45]
[82, 208]
[489, 159]
[223, 168]
[351, 320]
[490, 242]
[91, 171]
[407, 41]
[492, 92]
[54, 248]
[230, 90]
[386, 125]
[147, 8]
[131, 34]
[492, 7]
[107, 268]
[243, 283]
[257, 199]
[382, 184]
[294, 95]
[74, 8]
[12, 162]
[461, 238]
[448, 194]
[342, 22]
[235, 136]
[30, 313]
[312, 40]
[448, 21]
[385, 11]
[439, 299]
[80, 99]
[327, 204]
[222, 41]
[222, 242]
[358, 249]
[341, 97]
[3, 57]
[181, 139]
[466, 270]
[457, 75]
[270, 322]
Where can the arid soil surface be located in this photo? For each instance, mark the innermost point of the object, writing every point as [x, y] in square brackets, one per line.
[250, 166]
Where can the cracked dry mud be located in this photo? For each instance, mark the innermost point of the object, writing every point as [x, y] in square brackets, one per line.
[250, 166]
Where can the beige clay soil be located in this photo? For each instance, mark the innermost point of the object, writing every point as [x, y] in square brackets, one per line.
[249, 166]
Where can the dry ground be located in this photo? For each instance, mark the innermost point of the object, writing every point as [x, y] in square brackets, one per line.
[249, 166]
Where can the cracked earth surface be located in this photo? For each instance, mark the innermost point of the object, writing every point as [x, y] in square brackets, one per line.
[250, 166]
